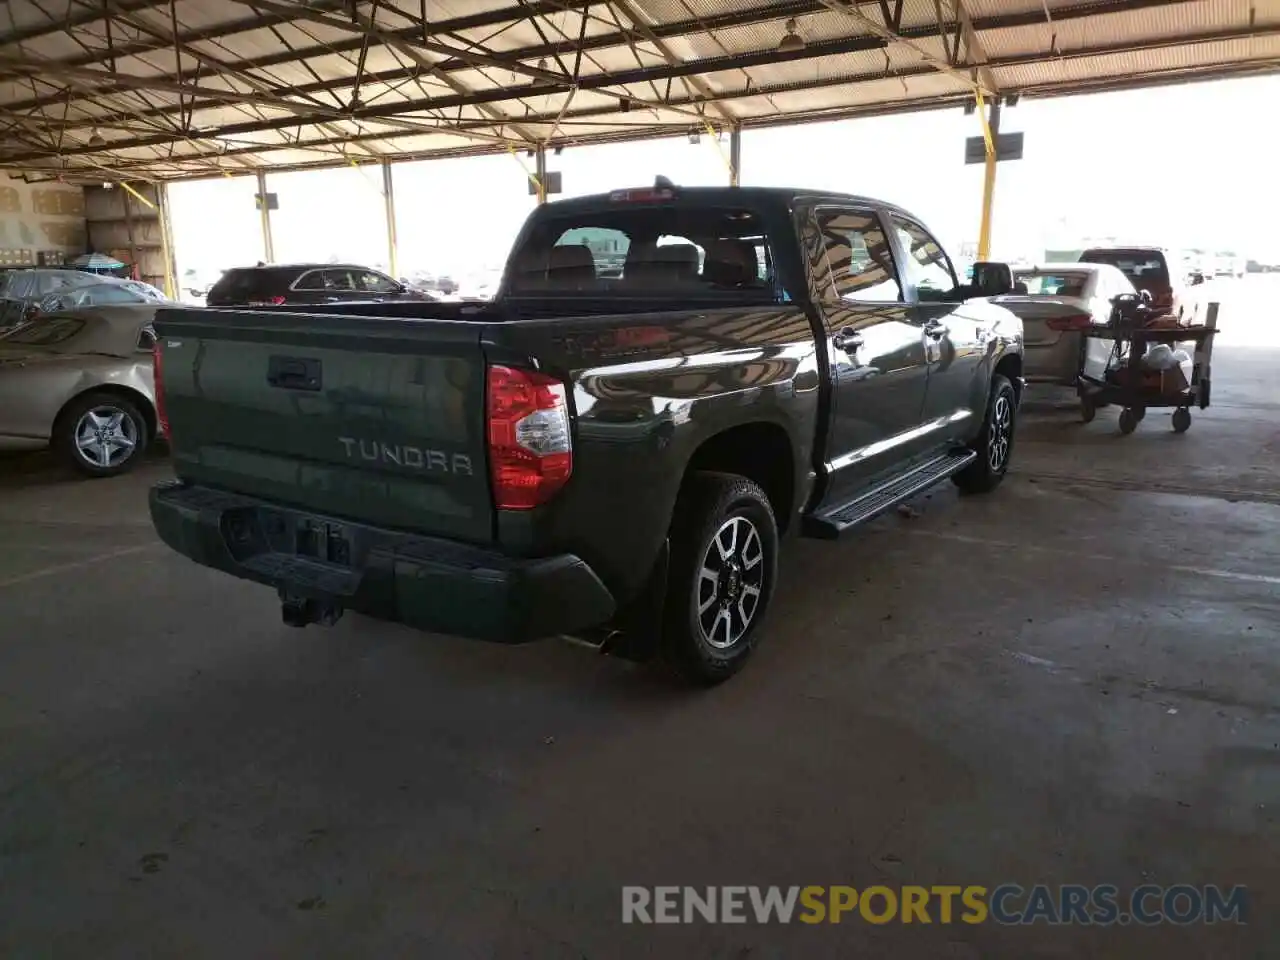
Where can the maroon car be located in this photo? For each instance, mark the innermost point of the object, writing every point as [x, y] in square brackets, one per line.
[1147, 269]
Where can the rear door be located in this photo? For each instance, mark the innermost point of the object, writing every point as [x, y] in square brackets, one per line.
[365, 418]
[876, 350]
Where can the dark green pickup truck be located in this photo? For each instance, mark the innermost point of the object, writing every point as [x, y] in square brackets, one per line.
[668, 381]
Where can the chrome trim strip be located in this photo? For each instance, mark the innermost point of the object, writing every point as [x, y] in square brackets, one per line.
[897, 440]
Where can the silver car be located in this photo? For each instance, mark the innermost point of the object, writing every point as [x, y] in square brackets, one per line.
[22, 289]
[1071, 296]
[81, 382]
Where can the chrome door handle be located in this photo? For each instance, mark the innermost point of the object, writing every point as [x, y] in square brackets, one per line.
[935, 330]
[847, 340]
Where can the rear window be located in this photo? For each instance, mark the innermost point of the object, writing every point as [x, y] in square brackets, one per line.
[1054, 284]
[251, 283]
[1137, 265]
[648, 251]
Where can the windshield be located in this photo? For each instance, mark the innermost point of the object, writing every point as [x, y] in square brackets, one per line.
[647, 251]
[1054, 284]
[97, 295]
[1137, 265]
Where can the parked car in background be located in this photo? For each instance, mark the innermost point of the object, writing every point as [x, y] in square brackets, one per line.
[608, 455]
[1056, 303]
[22, 289]
[1147, 269]
[81, 382]
[107, 291]
[307, 283]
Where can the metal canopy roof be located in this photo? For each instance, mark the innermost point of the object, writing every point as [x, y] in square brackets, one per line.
[177, 88]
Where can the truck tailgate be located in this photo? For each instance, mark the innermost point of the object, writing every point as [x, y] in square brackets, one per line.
[377, 420]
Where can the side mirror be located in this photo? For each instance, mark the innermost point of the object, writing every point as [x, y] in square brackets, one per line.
[1145, 296]
[992, 279]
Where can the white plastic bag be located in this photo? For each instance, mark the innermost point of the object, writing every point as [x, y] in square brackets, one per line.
[1160, 357]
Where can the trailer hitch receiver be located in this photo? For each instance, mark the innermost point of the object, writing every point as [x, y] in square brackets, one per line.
[301, 611]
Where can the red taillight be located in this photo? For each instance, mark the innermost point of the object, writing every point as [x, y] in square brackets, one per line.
[530, 447]
[267, 302]
[157, 367]
[1070, 323]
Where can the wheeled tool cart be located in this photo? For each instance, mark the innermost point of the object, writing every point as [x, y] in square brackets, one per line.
[1130, 383]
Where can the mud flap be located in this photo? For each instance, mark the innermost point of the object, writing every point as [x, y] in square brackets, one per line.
[636, 631]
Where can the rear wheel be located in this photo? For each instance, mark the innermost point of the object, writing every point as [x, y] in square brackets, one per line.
[1181, 420]
[1088, 410]
[1129, 420]
[994, 445]
[724, 555]
[101, 434]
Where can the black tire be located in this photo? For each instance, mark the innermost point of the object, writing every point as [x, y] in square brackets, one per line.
[1140, 413]
[1181, 420]
[131, 429]
[708, 504]
[1128, 420]
[994, 445]
[1088, 410]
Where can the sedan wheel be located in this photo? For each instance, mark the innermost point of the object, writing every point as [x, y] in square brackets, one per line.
[101, 434]
[106, 437]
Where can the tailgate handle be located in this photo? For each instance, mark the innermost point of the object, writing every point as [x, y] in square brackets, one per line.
[293, 373]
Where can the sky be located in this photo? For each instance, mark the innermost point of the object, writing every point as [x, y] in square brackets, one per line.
[1187, 166]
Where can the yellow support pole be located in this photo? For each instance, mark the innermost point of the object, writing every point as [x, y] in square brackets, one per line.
[389, 199]
[990, 136]
[538, 186]
[166, 242]
[264, 213]
[735, 156]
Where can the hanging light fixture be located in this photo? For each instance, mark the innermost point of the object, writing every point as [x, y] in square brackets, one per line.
[791, 41]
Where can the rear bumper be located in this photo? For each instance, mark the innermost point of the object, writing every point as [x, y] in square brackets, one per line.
[423, 582]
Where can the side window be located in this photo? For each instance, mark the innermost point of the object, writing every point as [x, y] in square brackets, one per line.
[337, 280]
[928, 269]
[371, 282]
[858, 257]
[310, 281]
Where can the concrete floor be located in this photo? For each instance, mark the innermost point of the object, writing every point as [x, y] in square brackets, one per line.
[1071, 681]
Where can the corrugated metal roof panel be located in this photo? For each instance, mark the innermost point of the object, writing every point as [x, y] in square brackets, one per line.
[1137, 64]
[1045, 54]
[1160, 23]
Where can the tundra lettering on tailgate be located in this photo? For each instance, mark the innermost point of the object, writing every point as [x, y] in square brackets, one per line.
[416, 458]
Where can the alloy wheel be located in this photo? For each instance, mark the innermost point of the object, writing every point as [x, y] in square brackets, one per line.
[106, 437]
[1001, 437]
[730, 582]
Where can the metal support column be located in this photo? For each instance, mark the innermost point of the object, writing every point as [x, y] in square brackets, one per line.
[389, 196]
[268, 249]
[735, 156]
[166, 241]
[991, 133]
[540, 171]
